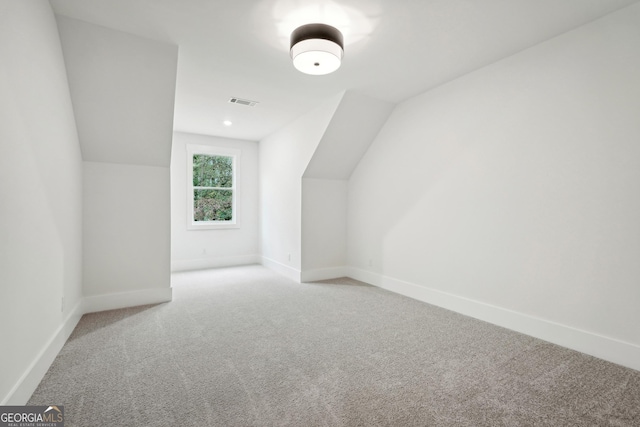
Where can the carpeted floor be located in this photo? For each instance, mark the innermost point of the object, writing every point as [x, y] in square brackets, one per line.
[246, 347]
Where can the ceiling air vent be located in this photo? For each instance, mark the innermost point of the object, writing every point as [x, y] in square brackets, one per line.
[243, 102]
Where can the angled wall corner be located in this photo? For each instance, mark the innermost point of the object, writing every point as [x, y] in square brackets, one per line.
[123, 92]
[284, 156]
[352, 129]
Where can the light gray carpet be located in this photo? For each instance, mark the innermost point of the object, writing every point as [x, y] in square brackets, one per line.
[247, 347]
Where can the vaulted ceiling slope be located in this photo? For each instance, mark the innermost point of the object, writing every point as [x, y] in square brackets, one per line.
[393, 49]
[352, 128]
[123, 92]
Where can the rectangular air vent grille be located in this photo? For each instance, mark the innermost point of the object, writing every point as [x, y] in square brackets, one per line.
[241, 101]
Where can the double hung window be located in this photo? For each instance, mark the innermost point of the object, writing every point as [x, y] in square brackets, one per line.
[212, 190]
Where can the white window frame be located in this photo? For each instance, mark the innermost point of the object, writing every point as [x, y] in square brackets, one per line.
[212, 151]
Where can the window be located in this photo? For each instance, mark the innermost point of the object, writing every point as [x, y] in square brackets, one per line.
[212, 190]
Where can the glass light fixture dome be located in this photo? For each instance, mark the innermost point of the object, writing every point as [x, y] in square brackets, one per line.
[317, 48]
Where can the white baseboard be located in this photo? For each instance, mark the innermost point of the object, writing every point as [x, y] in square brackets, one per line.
[19, 395]
[610, 349]
[280, 268]
[204, 263]
[28, 382]
[104, 302]
[323, 273]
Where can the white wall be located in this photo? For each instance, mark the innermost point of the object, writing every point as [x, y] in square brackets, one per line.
[194, 249]
[352, 128]
[324, 228]
[126, 233]
[123, 90]
[355, 123]
[284, 156]
[512, 193]
[40, 192]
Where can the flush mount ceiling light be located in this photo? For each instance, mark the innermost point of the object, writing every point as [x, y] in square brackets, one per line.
[317, 48]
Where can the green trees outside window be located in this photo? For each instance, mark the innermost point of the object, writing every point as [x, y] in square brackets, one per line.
[212, 188]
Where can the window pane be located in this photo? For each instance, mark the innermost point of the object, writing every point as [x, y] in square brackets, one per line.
[212, 171]
[212, 205]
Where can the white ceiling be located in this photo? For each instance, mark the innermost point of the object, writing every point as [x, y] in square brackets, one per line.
[394, 49]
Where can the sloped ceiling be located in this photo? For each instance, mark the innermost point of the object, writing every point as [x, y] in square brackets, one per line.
[123, 92]
[353, 127]
[394, 49]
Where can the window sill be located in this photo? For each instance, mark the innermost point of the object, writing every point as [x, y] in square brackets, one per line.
[213, 226]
